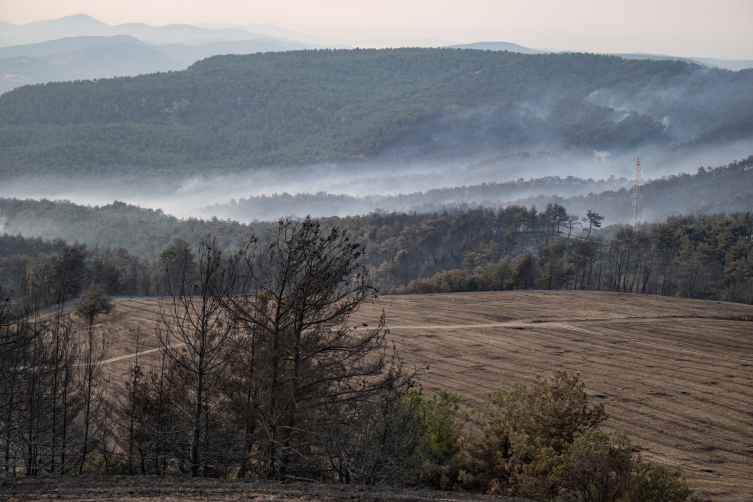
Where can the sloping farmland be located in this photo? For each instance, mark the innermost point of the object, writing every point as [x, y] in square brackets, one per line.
[676, 374]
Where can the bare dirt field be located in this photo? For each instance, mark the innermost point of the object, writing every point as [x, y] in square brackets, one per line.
[677, 375]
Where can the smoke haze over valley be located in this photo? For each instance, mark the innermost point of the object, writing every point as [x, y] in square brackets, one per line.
[255, 121]
[359, 188]
[368, 123]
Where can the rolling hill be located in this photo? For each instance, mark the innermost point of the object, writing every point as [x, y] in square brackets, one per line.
[675, 374]
[298, 107]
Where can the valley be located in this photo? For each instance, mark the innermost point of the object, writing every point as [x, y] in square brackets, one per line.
[410, 251]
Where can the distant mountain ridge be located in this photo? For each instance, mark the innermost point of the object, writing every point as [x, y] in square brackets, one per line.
[92, 57]
[83, 25]
[277, 31]
[56, 50]
[80, 47]
[733, 65]
[97, 56]
[43, 50]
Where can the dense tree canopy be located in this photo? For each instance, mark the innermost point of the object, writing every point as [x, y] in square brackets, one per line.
[307, 106]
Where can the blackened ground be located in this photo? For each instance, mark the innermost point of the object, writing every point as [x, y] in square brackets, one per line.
[178, 489]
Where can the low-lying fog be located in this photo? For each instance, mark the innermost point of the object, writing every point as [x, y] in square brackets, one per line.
[372, 182]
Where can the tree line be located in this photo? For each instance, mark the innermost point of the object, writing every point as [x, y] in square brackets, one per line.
[467, 249]
[143, 232]
[260, 373]
[40, 274]
[707, 257]
[322, 204]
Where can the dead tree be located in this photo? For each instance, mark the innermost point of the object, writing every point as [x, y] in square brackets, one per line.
[294, 298]
[66, 393]
[93, 390]
[94, 303]
[194, 334]
[128, 410]
[41, 405]
[372, 441]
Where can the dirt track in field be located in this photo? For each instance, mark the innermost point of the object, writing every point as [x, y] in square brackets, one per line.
[677, 375]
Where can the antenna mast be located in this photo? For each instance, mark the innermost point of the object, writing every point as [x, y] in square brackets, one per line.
[635, 196]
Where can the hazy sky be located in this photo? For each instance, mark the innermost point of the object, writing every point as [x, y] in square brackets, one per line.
[701, 28]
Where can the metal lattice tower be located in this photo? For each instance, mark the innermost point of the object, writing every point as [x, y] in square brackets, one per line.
[635, 214]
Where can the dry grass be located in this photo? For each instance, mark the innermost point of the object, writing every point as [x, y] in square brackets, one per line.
[675, 374]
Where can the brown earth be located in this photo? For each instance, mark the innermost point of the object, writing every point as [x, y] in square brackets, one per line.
[675, 374]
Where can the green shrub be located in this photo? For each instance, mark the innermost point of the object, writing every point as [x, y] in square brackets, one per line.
[543, 443]
[441, 427]
[514, 427]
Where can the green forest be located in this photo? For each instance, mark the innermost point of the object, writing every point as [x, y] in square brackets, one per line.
[299, 107]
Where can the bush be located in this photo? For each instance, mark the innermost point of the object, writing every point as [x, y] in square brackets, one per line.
[513, 427]
[543, 443]
[441, 428]
[451, 281]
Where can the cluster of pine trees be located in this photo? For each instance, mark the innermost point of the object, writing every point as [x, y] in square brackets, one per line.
[40, 273]
[706, 257]
[258, 373]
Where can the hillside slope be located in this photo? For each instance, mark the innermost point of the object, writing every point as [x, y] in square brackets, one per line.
[231, 112]
[675, 374]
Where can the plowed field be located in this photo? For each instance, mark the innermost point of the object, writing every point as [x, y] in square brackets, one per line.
[677, 375]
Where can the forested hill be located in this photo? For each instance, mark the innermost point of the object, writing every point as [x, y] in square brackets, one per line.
[297, 107]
